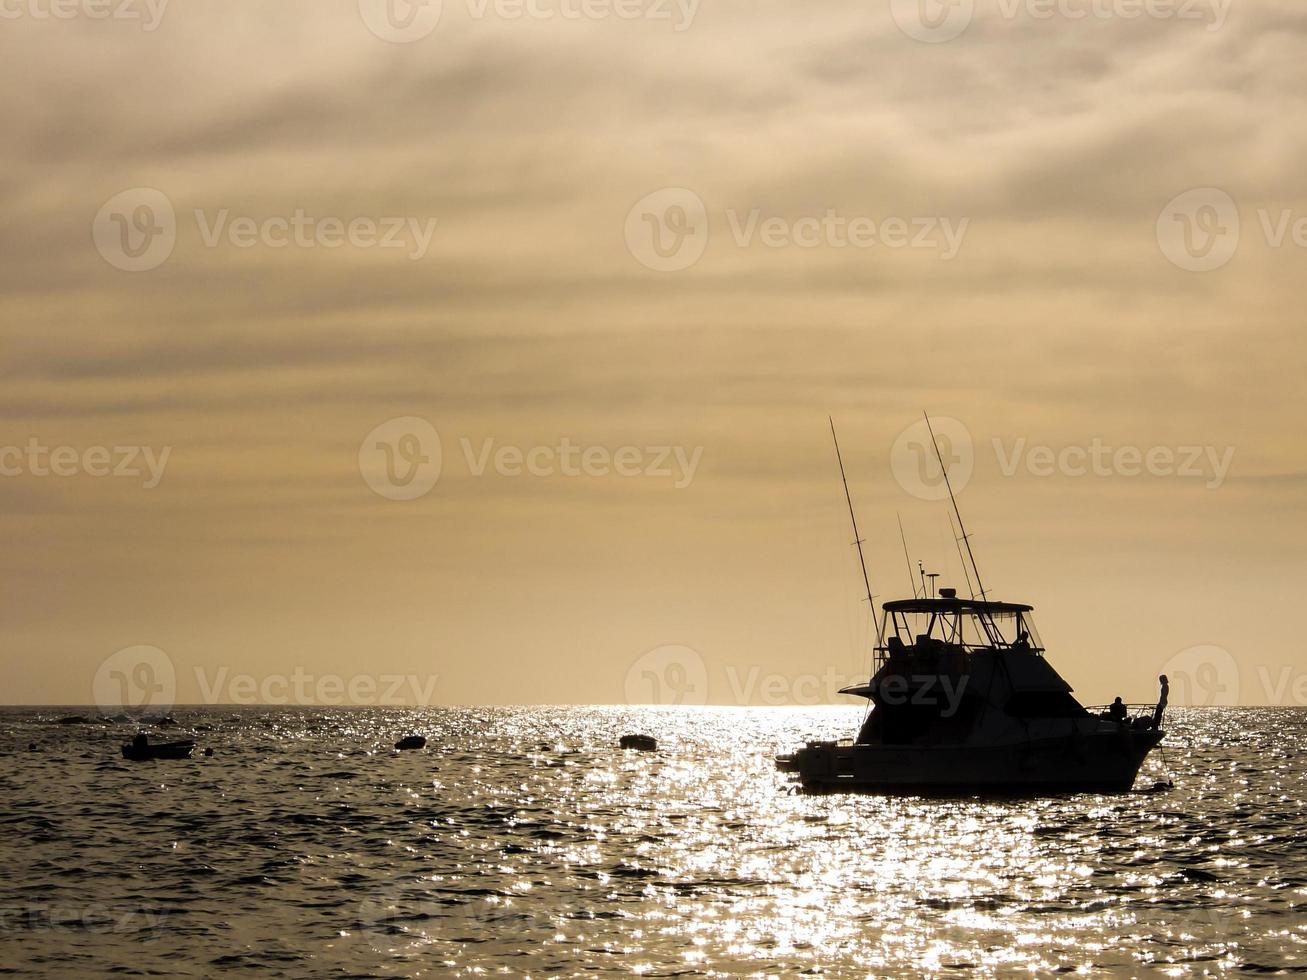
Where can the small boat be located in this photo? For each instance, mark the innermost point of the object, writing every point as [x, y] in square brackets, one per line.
[141, 749]
[410, 743]
[962, 700]
[641, 743]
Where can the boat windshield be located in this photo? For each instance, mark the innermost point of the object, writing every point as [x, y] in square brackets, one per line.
[970, 629]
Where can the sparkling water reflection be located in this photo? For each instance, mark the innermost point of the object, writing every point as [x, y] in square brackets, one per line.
[524, 841]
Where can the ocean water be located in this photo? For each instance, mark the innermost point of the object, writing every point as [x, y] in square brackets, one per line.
[522, 841]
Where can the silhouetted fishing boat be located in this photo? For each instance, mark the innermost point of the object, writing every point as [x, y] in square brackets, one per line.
[963, 699]
[141, 749]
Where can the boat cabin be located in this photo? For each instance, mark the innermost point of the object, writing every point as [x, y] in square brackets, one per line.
[952, 669]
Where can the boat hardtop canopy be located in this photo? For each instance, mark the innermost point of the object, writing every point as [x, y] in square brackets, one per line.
[969, 625]
[949, 604]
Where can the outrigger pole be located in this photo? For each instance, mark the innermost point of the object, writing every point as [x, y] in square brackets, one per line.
[966, 538]
[961, 560]
[857, 539]
[991, 630]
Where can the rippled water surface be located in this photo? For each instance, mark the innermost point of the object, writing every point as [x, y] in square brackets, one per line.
[523, 841]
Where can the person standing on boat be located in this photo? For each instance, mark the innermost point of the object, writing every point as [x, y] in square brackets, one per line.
[1161, 701]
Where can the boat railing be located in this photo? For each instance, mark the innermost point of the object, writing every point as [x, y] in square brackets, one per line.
[883, 651]
[1135, 714]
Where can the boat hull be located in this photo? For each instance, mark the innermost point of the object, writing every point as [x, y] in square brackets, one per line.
[1101, 762]
[158, 750]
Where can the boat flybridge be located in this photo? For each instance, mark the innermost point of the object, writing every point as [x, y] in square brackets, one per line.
[963, 699]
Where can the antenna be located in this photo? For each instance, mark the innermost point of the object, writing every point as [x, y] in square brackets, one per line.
[904, 538]
[857, 540]
[921, 570]
[966, 538]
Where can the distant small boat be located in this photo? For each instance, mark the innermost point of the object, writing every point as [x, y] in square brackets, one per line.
[141, 749]
[411, 742]
[642, 743]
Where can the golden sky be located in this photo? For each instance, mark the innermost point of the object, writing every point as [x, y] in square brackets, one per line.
[239, 238]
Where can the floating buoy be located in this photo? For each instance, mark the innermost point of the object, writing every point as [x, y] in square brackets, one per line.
[411, 742]
[644, 743]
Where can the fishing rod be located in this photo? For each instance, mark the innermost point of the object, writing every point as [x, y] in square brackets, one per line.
[961, 560]
[857, 539]
[993, 632]
[966, 538]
